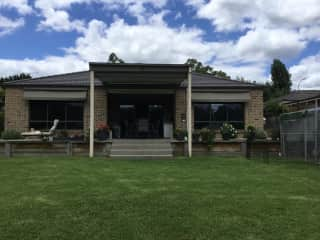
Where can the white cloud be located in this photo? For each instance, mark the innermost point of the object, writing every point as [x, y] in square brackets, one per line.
[229, 15]
[9, 25]
[46, 66]
[57, 18]
[153, 42]
[20, 5]
[306, 74]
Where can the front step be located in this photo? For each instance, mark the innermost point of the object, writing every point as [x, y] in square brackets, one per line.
[151, 148]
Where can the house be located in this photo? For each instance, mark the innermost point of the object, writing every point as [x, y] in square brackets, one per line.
[301, 100]
[136, 100]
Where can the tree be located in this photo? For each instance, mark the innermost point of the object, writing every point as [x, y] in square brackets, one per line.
[15, 77]
[113, 58]
[280, 77]
[198, 67]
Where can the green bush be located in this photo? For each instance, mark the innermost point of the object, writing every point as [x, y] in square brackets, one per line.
[275, 134]
[253, 133]
[250, 133]
[207, 135]
[11, 134]
[228, 131]
[180, 134]
[260, 134]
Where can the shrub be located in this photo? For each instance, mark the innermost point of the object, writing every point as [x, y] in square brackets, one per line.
[11, 134]
[253, 133]
[180, 134]
[275, 134]
[260, 134]
[207, 135]
[228, 131]
[196, 137]
[250, 133]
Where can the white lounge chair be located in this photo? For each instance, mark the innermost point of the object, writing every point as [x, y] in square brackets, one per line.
[43, 135]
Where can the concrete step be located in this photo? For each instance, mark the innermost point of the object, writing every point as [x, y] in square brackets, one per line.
[141, 148]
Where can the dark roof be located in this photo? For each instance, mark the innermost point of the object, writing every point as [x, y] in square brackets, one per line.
[301, 95]
[202, 80]
[81, 79]
[76, 79]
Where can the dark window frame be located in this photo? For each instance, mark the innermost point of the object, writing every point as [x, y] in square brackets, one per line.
[64, 123]
[215, 124]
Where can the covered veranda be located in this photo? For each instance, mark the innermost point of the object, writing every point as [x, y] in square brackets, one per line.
[139, 79]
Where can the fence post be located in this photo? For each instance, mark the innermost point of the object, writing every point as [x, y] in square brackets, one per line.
[8, 149]
[69, 148]
[305, 139]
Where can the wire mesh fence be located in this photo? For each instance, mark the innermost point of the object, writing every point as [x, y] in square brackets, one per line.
[300, 136]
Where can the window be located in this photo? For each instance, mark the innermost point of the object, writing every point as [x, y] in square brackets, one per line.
[42, 114]
[213, 115]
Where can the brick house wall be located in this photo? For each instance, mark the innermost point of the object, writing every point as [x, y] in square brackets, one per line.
[180, 108]
[254, 110]
[16, 110]
[100, 105]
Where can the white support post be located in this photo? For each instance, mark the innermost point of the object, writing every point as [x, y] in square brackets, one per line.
[91, 123]
[189, 112]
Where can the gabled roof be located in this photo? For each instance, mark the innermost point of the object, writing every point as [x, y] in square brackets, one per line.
[300, 95]
[75, 79]
[202, 80]
[81, 79]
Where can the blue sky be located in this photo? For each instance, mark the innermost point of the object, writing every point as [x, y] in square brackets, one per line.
[241, 37]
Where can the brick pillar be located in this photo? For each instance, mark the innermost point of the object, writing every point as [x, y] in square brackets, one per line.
[254, 110]
[16, 110]
[180, 108]
[100, 114]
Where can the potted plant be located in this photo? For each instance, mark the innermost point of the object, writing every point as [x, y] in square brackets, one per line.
[180, 134]
[228, 131]
[208, 136]
[102, 132]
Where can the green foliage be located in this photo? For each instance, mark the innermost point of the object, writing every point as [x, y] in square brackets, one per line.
[261, 134]
[15, 77]
[180, 134]
[11, 134]
[250, 133]
[281, 81]
[275, 134]
[207, 135]
[274, 108]
[253, 133]
[200, 68]
[113, 58]
[228, 131]
[280, 77]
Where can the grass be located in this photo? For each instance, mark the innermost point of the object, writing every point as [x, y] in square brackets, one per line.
[202, 198]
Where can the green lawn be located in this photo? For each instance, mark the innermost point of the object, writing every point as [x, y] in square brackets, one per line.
[202, 198]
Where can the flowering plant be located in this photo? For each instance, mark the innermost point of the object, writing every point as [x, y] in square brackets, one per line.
[228, 131]
[102, 131]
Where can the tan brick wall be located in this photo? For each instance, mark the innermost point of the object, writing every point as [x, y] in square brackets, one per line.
[180, 108]
[100, 106]
[254, 110]
[16, 110]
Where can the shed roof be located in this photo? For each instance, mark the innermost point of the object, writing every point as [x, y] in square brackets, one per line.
[300, 95]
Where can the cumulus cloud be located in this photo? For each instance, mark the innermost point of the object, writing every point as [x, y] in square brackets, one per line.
[46, 66]
[305, 74]
[20, 5]
[154, 42]
[9, 25]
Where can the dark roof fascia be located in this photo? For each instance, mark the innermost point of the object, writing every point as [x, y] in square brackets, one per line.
[137, 67]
